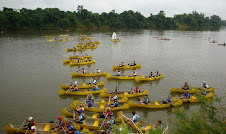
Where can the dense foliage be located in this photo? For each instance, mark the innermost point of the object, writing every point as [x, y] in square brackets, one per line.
[53, 18]
[210, 119]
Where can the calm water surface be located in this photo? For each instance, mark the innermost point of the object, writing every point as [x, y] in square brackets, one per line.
[31, 69]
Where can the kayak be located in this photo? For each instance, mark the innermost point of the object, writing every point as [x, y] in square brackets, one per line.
[100, 107]
[60, 39]
[74, 60]
[49, 36]
[95, 42]
[89, 47]
[221, 44]
[82, 35]
[66, 39]
[92, 115]
[143, 78]
[77, 49]
[42, 127]
[126, 77]
[115, 40]
[80, 57]
[82, 63]
[88, 74]
[140, 127]
[50, 40]
[156, 104]
[124, 94]
[191, 90]
[127, 67]
[194, 99]
[89, 38]
[83, 86]
[63, 35]
[104, 101]
[164, 39]
[84, 92]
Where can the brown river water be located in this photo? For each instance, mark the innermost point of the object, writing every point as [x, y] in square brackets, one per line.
[31, 69]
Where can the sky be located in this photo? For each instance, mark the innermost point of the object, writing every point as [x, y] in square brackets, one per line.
[145, 7]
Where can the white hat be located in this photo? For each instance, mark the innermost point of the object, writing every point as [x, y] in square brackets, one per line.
[30, 118]
[204, 81]
[33, 128]
[120, 129]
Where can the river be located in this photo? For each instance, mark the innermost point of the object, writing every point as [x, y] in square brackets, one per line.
[31, 69]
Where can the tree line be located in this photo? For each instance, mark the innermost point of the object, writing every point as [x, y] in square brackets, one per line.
[53, 18]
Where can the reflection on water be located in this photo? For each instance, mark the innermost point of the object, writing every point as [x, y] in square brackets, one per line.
[32, 69]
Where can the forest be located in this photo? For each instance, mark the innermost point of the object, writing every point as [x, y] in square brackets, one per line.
[53, 19]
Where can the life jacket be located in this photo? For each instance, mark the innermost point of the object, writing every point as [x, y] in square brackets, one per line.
[63, 121]
[136, 120]
[137, 89]
[116, 104]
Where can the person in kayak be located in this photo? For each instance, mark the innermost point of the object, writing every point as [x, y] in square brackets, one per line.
[89, 103]
[122, 64]
[134, 73]
[168, 100]
[133, 64]
[186, 95]
[75, 88]
[145, 101]
[137, 90]
[114, 97]
[83, 71]
[151, 75]
[204, 85]
[135, 117]
[91, 97]
[118, 73]
[31, 123]
[34, 130]
[186, 86]
[159, 125]
[80, 109]
[62, 124]
[80, 119]
[117, 90]
[97, 71]
[69, 128]
[95, 88]
[116, 104]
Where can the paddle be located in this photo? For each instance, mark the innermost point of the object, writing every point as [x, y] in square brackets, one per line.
[63, 129]
[21, 126]
[27, 131]
[105, 115]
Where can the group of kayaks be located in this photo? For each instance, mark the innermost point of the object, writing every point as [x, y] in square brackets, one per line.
[60, 38]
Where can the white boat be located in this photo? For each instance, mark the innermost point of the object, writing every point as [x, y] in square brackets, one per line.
[114, 38]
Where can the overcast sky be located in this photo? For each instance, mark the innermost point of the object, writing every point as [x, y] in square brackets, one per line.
[145, 7]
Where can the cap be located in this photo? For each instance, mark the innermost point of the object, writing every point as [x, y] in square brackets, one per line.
[204, 81]
[59, 118]
[30, 118]
[33, 128]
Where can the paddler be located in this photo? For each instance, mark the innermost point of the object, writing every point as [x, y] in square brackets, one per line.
[134, 73]
[62, 124]
[135, 117]
[31, 123]
[83, 71]
[145, 101]
[186, 95]
[204, 85]
[186, 86]
[34, 130]
[118, 73]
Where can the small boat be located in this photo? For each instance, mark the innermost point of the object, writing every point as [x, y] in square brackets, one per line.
[74, 60]
[50, 40]
[89, 47]
[192, 90]
[82, 63]
[104, 101]
[126, 77]
[164, 39]
[83, 86]
[75, 49]
[100, 107]
[82, 35]
[61, 35]
[143, 78]
[60, 39]
[156, 104]
[124, 94]
[89, 38]
[80, 57]
[49, 36]
[87, 115]
[95, 42]
[88, 74]
[114, 38]
[43, 128]
[66, 39]
[84, 92]
[222, 44]
[194, 99]
[127, 67]
[140, 127]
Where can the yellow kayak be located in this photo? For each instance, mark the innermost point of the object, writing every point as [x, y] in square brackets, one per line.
[140, 127]
[88, 74]
[42, 127]
[83, 86]
[60, 39]
[191, 90]
[66, 39]
[89, 38]
[104, 101]
[49, 36]
[126, 77]
[74, 60]
[194, 99]
[89, 47]
[95, 42]
[84, 92]
[127, 67]
[50, 40]
[82, 63]
[80, 57]
[61, 35]
[114, 40]
[82, 35]
[124, 94]
[156, 104]
[143, 78]
[77, 49]
[101, 107]
[92, 115]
